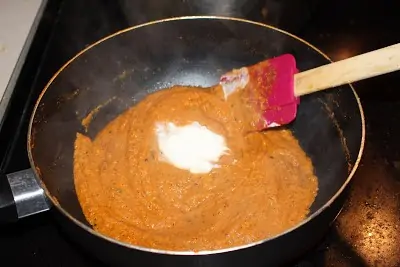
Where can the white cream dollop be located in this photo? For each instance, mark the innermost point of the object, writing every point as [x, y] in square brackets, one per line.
[191, 147]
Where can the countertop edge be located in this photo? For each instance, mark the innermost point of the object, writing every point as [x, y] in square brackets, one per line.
[20, 62]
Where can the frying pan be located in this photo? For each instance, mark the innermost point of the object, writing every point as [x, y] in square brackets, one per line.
[119, 70]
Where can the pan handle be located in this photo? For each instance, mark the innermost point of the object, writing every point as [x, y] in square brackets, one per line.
[8, 210]
[20, 196]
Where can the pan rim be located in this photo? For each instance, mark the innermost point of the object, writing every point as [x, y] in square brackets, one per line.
[203, 252]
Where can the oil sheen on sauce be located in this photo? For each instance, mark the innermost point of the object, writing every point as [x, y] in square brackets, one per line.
[262, 186]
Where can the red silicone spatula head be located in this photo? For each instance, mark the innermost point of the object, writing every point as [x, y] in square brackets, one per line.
[269, 86]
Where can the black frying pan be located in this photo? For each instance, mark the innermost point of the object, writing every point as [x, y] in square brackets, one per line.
[189, 51]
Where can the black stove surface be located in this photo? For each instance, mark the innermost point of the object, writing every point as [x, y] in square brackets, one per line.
[367, 232]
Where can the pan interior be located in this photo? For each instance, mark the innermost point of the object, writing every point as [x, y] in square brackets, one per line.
[123, 69]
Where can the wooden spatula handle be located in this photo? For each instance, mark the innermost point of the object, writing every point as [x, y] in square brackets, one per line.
[349, 70]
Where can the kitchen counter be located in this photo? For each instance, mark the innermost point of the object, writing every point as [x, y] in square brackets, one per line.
[18, 20]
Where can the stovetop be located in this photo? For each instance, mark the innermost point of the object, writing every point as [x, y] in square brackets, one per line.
[367, 233]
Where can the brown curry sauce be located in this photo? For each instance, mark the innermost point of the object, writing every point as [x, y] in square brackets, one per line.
[264, 186]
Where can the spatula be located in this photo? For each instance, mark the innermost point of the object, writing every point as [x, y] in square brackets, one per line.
[273, 86]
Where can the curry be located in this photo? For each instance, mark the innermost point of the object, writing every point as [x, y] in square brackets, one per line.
[262, 187]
